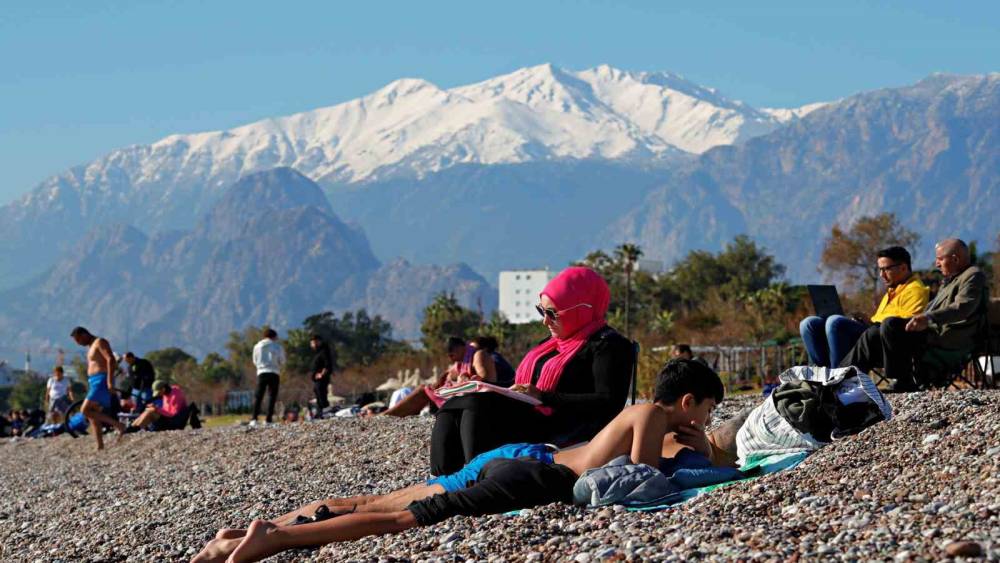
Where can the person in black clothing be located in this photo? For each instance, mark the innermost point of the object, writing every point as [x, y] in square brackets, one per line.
[503, 372]
[581, 374]
[323, 364]
[141, 376]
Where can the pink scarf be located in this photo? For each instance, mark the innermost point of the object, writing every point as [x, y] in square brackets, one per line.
[571, 287]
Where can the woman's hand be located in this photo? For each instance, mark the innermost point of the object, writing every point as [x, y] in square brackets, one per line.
[527, 389]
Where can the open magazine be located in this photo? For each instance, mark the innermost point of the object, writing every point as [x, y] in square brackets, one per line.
[481, 387]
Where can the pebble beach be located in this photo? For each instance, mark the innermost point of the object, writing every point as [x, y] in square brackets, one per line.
[923, 486]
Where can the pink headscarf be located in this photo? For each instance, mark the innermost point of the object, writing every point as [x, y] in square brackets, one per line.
[571, 287]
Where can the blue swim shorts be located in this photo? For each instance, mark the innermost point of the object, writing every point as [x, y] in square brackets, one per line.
[98, 391]
[470, 473]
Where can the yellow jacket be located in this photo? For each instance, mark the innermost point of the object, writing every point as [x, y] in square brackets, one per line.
[904, 300]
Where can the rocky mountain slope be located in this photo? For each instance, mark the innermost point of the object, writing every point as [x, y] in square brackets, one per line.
[270, 251]
[930, 153]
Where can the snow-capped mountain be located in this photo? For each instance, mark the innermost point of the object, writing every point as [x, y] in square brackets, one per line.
[410, 128]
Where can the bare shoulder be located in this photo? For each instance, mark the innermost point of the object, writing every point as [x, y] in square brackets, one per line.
[647, 410]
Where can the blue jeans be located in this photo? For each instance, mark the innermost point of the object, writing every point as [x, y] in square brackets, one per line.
[827, 342]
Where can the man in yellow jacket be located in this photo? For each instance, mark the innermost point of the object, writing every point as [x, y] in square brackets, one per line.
[829, 340]
[948, 326]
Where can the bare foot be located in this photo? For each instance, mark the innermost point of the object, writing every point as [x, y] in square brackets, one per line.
[229, 533]
[216, 551]
[254, 545]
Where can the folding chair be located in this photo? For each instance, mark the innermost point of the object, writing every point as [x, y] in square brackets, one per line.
[944, 369]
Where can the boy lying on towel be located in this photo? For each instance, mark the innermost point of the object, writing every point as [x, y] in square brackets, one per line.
[509, 478]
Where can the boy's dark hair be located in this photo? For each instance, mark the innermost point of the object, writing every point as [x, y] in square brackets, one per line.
[270, 333]
[897, 254]
[79, 331]
[454, 342]
[680, 377]
[683, 348]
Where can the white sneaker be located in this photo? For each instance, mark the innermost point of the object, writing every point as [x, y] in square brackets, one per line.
[252, 424]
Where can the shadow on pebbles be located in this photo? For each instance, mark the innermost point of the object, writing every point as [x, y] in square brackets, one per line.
[923, 486]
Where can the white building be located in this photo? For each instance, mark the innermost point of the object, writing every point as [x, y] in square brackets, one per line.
[519, 291]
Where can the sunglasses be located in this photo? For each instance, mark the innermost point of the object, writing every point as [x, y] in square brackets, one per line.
[885, 269]
[553, 315]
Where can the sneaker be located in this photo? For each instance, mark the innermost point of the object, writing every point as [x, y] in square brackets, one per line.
[252, 424]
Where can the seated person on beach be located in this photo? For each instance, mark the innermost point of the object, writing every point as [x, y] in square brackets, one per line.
[473, 361]
[170, 414]
[581, 375]
[684, 352]
[948, 325]
[828, 341]
[512, 477]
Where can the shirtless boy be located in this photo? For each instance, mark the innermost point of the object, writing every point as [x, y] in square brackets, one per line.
[100, 374]
[686, 394]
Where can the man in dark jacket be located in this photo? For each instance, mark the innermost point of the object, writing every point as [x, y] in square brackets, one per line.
[949, 324]
[323, 365]
[141, 376]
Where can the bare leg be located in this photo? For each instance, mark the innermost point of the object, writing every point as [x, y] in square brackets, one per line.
[217, 550]
[92, 411]
[411, 405]
[146, 418]
[264, 539]
[392, 502]
[723, 440]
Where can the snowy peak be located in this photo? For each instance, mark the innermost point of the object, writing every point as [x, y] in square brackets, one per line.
[535, 113]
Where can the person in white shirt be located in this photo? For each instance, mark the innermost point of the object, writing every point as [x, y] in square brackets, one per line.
[268, 357]
[58, 394]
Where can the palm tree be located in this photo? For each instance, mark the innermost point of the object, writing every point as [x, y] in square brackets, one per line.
[627, 255]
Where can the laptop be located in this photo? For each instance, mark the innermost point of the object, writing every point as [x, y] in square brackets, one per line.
[825, 300]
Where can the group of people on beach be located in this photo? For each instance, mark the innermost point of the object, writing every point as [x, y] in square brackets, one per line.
[493, 452]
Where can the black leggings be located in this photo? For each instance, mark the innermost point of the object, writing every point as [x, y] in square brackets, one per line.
[503, 485]
[268, 382]
[470, 425]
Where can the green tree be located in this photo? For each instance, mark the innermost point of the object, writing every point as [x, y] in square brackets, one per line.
[359, 339]
[167, 360]
[216, 369]
[444, 317]
[740, 269]
[627, 255]
[850, 253]
[28, 393]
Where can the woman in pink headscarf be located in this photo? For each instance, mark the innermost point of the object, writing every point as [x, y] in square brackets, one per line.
[580, 373]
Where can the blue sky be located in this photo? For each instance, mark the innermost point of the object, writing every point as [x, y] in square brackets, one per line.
[78, 79]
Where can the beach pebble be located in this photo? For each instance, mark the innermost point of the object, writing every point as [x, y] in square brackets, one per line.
[964, 549]
[162, 496]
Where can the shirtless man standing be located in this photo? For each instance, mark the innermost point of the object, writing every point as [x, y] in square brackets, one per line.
[100, 374]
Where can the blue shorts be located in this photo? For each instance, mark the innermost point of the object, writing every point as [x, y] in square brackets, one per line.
[98, 391]
[470, 473]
